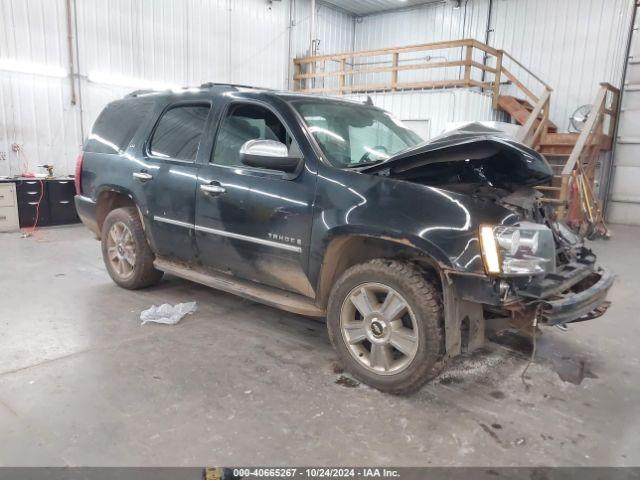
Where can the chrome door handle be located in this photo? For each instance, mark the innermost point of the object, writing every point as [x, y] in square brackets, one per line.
[142, 176]
[212, 189]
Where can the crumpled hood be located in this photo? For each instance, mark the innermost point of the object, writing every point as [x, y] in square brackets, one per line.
[471, 142]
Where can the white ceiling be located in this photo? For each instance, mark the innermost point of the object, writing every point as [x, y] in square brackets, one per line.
[366, 7]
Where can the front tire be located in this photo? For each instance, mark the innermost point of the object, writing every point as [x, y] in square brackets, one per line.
[385, 320]
[126, 252]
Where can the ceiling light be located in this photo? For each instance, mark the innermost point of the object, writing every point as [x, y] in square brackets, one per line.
[32, 68]
[120, 81]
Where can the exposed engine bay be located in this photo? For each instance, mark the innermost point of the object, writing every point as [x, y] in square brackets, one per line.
[483, 163]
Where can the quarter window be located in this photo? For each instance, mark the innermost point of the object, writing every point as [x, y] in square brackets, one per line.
[178, 133]
[242, 123]
[117, 124]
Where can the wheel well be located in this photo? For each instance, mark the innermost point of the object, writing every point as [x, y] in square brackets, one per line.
[347, 251]
[108, 201]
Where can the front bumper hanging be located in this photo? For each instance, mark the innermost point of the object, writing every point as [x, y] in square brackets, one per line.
[579, 306]
[575, 293]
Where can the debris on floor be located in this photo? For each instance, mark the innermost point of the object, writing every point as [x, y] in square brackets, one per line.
[167, 314]
[347, 382]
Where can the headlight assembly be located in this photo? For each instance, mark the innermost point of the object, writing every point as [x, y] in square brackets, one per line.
[528, 249]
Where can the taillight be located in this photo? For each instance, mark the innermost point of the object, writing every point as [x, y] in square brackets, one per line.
[78, 178]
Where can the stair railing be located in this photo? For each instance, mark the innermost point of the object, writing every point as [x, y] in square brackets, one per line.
[538, 121]
[596, 135]
[517, 82]
[465, 63]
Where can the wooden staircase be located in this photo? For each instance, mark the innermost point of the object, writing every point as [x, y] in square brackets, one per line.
[557, 148]
[516, 90]
[574, 157]
[519, 110]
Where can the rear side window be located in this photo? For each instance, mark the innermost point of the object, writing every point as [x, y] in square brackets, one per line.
[117, 124]
[177, 135]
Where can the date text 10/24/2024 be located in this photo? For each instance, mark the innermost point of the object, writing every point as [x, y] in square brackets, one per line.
[319, 472]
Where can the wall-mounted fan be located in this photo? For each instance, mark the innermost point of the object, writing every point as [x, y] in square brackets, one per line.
[579, 118]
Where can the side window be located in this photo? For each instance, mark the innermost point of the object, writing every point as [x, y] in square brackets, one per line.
[177, 135]
[117, 124]
[242, 123]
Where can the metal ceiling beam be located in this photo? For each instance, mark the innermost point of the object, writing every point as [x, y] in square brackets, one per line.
[330, 4]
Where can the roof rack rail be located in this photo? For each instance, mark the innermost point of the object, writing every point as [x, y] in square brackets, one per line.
[236, 85]
[135, 93]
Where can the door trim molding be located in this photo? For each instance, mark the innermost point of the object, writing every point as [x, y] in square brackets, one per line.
[246, 238]
[224, 233]
[173, 222]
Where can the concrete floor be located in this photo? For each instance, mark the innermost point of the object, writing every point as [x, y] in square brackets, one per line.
[82, 383]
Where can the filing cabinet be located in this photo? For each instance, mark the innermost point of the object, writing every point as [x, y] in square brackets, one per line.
[49, 200]
[8, 207]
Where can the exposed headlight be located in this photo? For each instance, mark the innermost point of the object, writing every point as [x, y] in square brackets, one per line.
[528, 249]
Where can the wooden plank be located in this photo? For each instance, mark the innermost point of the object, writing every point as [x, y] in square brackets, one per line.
[519, 110]
[485, 48]
[469, 59]
[525, 132]
[547, 86]
[585, 135]
[560, 139]
[386, 87]
[481, 66]
[610, 87]
[520, 85]
[394, 71]
[297, 84]
[564, 197]
[496, 81]
[386, 69]
[387, 51]
[482, 85]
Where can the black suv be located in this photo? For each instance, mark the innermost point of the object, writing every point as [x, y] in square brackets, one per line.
[333, 208]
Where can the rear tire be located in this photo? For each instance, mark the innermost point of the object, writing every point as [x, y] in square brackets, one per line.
[126, 252]
[385, 320]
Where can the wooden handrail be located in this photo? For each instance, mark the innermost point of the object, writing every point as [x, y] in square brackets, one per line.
[546, 85]
[423, 47]
[584, 156]
[529, 133]
[400, 68]
[457, 69]
[587, 132]
[520, 85]
[312, 69]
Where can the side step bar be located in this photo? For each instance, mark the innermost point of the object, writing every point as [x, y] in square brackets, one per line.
[274, 297]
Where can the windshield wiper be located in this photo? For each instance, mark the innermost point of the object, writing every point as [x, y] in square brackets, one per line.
[364, 164]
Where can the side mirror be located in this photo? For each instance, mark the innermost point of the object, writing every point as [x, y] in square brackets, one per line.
[268, 154]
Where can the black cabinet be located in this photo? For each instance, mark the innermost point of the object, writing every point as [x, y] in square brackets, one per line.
[61, 206]
[48, 200]
[32, 202]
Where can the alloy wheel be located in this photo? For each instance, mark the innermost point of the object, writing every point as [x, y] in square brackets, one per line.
[121, 250]
[379, 328]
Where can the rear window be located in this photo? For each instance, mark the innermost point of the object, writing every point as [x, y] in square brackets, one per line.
[117, 124]
[177, 135]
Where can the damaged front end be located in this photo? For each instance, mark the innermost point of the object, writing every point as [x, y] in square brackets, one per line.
[526, 268]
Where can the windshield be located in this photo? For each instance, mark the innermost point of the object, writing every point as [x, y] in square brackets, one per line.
[355, 135]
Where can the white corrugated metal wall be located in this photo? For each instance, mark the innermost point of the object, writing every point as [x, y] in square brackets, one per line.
[571, 44]
[183, 42]
[436, 108]
[36, 112]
